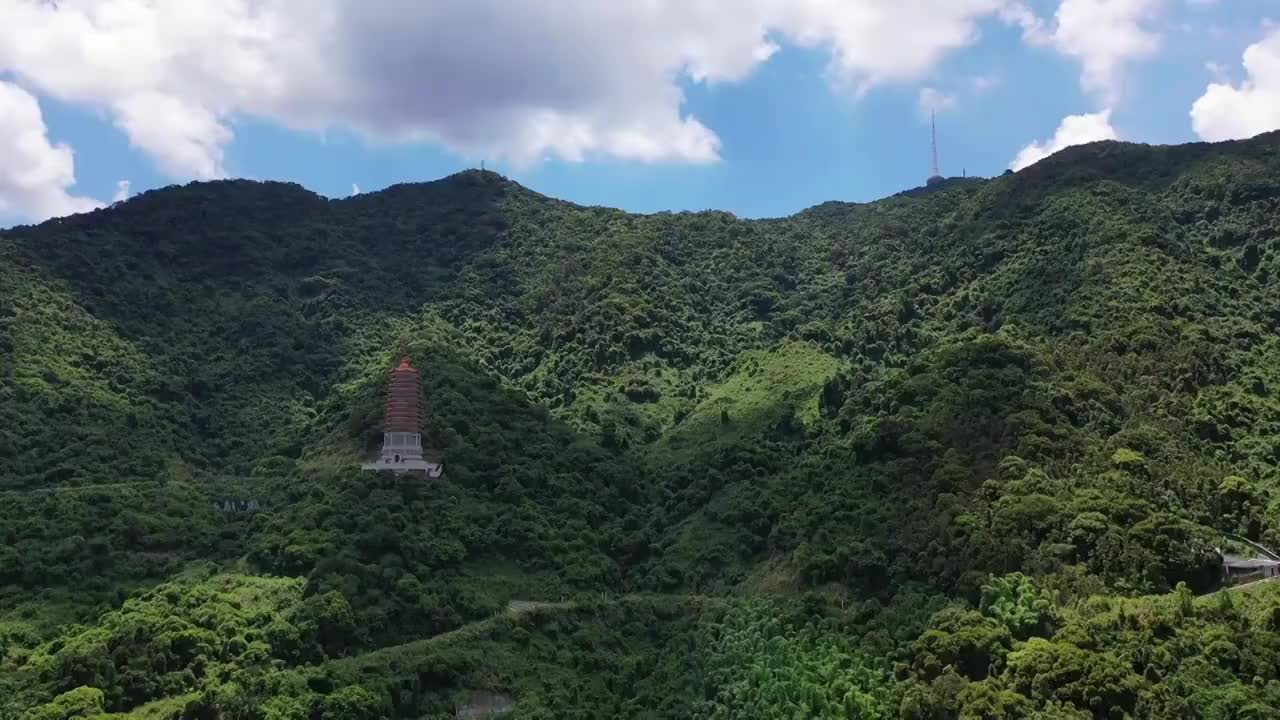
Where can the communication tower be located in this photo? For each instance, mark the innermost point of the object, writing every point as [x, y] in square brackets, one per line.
[933, 140]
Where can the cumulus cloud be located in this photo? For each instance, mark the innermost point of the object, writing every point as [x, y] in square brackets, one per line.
[505, 79]
[509, 80]
[355, 189]
[877, 42]
[1074, 130]
[1228, 112]
[122, 191]
[35, 175]
[1034, 30]
[1103, 35]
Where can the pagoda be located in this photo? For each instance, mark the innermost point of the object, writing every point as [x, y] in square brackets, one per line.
[402, 426]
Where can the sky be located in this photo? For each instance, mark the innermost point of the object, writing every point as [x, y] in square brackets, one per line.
[758, 107]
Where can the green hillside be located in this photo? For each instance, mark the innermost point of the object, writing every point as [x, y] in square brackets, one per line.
[968, 451]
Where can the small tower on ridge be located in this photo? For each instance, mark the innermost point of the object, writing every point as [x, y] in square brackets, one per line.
[402, 426]
[933, 140]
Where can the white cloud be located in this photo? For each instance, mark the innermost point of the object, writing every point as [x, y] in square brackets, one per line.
[122, 191]
[1227, 112]
[34, 175]
[1103, 35]
[874, 42]
[1034, 31]
[1074, 130]
[931, 100]
[515, 80]
[934, 100]
[1218, 71]
[355, 189]
[185, 138]
[983, 83]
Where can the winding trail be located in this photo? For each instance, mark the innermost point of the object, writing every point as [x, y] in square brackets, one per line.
[515, 608]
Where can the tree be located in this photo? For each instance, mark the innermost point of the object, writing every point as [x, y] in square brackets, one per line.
[80, 702]
[1016, 601]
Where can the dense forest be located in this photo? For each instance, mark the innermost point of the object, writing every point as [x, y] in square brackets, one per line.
[976, 450]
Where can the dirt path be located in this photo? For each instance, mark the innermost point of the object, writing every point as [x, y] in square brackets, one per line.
[514, 608]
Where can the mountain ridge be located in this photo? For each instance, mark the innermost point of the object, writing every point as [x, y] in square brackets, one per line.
[1066, 155]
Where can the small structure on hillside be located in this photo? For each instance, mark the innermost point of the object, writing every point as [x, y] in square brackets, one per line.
[485, 705]
[402, 426]
[1238, 570]
[237, 506]
[1244, 560]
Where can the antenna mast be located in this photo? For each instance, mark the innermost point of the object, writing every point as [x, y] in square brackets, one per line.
[933, 139]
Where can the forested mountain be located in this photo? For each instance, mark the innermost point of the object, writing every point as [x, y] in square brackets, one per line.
[969, 451]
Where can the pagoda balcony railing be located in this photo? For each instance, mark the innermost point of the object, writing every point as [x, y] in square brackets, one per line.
[401, 440]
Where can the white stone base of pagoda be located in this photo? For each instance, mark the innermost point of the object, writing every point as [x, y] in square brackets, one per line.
[405, 465]
[402, 453]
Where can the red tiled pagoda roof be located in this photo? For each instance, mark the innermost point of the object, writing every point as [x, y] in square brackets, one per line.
[403, 410]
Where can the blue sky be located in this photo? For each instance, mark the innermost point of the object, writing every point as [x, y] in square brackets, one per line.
[790, 131]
